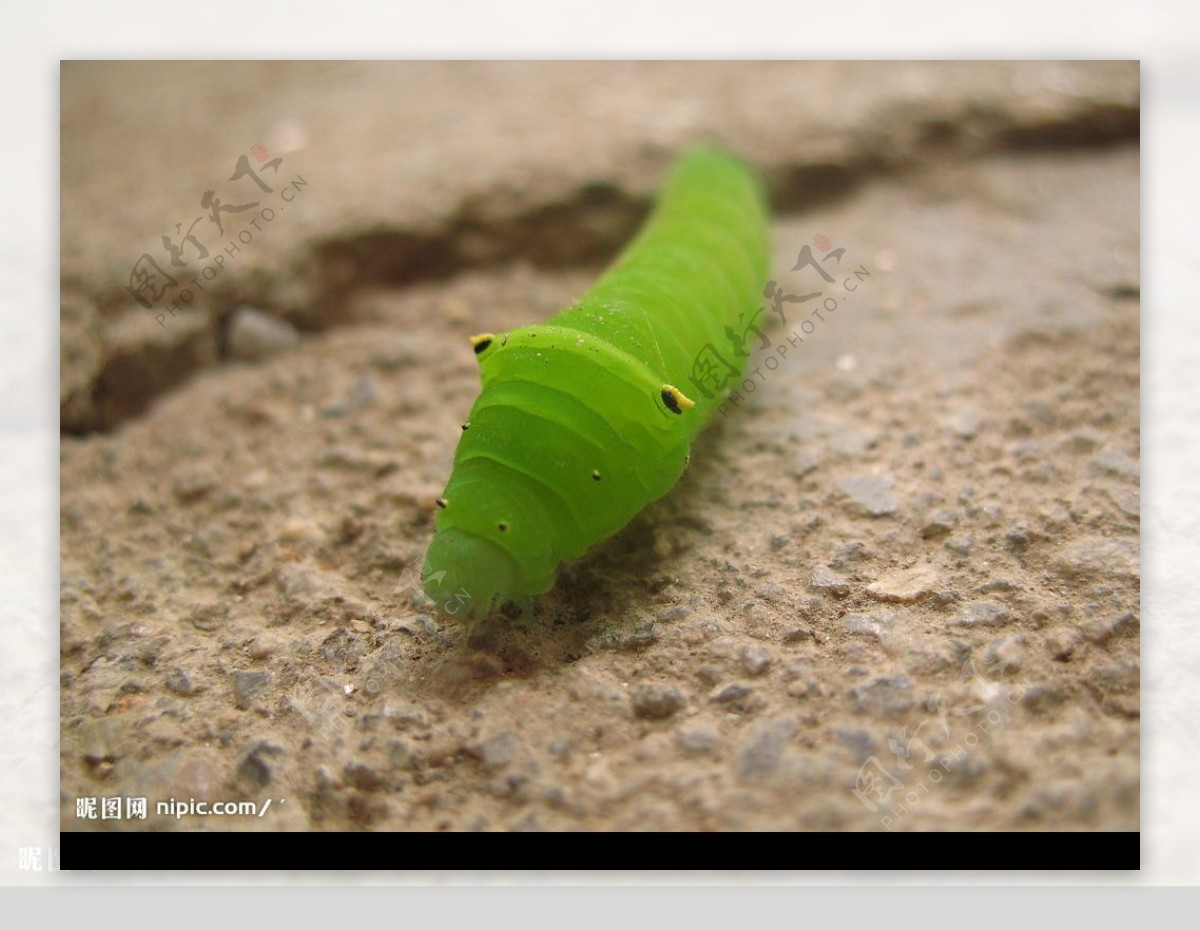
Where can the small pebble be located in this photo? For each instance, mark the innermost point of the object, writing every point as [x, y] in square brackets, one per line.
[260, 648]
[363, 776]
[193, 482]
[1112, 462]
[983, 613]
[960, 544]
[1114, 558]
[939, 523]
[637, 638]
[797, 688]
[657, 702]
[760, 753]
[871, 493]
[1018, 538]
[803, 463]
[1061, 644]
[1081, 442]
[861, 742]
[877, 623]
[737, 697]
[697, 741]
[730, 693]
[964, 423]
[754, 660]
[1040, 698]
[247, 684]
[826, 581]
[361, 394]
[179, 682]
[497, 752]
[1101, 631]
[342, 647]
[255, 770]
[770, 592]
[100, 739]
[849, 554]
[254, 334]
[1005, 656]
[884, 697]
[1120, 676]
[926, 662]
[1127, 499]
[904, 586]
[798, 633]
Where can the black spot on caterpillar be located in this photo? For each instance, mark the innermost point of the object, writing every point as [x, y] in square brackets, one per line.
[591, 394]
[482, 342]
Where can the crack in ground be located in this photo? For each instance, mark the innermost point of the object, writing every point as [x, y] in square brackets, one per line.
[588, 228]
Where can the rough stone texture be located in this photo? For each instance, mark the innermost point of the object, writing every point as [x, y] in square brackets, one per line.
[397, 173]
[236, 619]
[906, 585]
[655, 702]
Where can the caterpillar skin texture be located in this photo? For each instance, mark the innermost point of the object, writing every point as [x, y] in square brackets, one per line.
[585, 420]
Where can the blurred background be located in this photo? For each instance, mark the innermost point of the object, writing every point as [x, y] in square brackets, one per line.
[414, 171]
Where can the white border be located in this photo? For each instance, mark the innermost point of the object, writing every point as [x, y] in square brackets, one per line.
[1162, 34]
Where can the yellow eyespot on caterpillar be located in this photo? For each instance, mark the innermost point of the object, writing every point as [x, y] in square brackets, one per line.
[564, 402]
[675, 400]
[481, 342]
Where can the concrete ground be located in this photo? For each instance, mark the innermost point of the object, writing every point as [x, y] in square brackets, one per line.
[897, 589]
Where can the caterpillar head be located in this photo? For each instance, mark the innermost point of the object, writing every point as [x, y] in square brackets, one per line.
[475, 573]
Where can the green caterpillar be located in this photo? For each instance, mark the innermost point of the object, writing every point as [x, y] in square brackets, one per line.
[585, 420]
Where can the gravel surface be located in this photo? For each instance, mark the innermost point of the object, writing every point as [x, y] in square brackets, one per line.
[898, 588]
